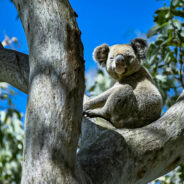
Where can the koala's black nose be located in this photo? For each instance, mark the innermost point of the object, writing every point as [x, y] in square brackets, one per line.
[119, 58]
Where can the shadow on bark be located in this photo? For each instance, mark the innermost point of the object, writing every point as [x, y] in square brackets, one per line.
[132, 156]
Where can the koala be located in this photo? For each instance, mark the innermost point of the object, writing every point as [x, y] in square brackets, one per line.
[134, 100]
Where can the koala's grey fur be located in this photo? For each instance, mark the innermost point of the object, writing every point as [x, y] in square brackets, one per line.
[134, 100]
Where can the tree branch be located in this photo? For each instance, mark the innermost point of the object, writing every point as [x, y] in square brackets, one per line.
[132, 156]
[14, 68]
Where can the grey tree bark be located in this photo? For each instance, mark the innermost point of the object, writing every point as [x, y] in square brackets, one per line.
[54, 80]
[14, 68]
[55, 92]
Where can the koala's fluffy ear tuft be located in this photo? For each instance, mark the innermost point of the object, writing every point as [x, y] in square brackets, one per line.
[100, 54]
[140, 47]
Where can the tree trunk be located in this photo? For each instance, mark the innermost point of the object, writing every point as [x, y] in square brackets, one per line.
[56, 88]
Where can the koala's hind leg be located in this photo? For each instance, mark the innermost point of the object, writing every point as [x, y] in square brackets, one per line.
[122, 106]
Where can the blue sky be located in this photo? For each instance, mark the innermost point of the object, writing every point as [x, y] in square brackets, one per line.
[100, 21]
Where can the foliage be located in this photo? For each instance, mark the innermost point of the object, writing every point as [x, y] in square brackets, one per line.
[102, 82]
[166, 63]
[174, 177]
[166, 55]
[11, 139]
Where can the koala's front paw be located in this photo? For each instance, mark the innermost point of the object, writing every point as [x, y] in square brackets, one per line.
[85, 115]
[95, 113]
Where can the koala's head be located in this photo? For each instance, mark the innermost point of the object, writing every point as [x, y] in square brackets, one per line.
[121, 60]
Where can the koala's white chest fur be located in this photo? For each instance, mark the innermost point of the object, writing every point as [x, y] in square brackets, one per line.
[134, 100]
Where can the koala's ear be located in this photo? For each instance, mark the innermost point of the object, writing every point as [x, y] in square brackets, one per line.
[140, 47]
[100, 54]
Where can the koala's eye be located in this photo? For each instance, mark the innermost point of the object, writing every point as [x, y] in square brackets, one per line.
[130, 59]
[111, 57]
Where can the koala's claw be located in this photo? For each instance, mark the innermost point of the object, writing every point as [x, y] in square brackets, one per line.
[84, 114]
[89, 113]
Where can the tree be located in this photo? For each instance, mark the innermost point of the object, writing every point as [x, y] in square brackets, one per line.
[166, 54]
[53, 77]
[11, 130]
[165, 61]
[11, 138]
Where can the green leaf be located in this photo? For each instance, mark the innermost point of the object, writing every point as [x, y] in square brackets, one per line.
[161, 17]
[153, 31]
[175, 2]
[179, 13]
[177, 24]
[166, 58]
[161, 78]
[166, 42]
[182, 33]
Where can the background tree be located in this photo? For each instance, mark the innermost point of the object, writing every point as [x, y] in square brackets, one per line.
[166, 54]
[166, 62]
[11, 139]
[11, 130]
